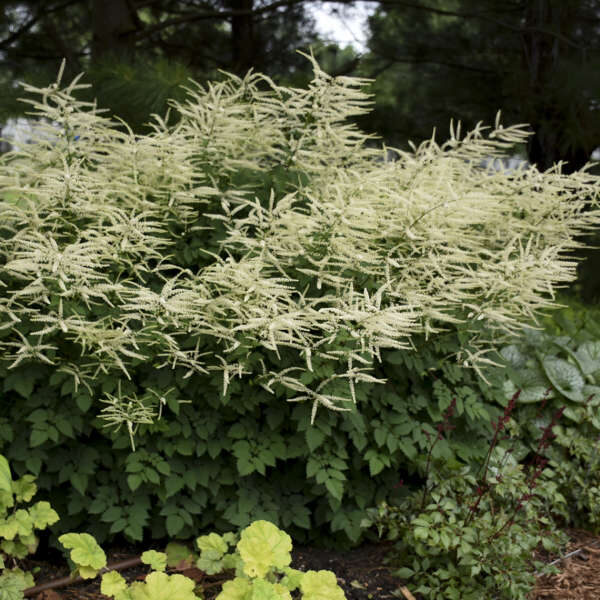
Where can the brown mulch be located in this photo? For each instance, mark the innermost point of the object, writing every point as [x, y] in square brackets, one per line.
[361, 573]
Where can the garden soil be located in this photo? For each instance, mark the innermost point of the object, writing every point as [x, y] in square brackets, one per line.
[361, 572]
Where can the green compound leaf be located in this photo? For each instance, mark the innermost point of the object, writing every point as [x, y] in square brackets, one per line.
[156, 560]
[160, 586]
[321, 585]
[42, 515]
[113, 584]
[264, 546]
[565, 377]
[85, 553]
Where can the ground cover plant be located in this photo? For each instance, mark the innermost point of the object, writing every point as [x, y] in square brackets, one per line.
[214, 324]
[260, 558]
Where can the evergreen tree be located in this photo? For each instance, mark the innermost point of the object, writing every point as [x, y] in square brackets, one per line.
[138, 53]
[465, 59]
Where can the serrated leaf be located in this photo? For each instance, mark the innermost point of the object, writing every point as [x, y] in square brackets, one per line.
[175, 524]
[134, 482]
[156, 560]
[37, 437]
[321, 585]
[375, 465]
[314, 438]
[83, 402]
[264, 546]
[335, 488]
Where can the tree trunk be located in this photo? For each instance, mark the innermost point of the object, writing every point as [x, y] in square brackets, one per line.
[548, 24]
[242, 37]
[114, 23]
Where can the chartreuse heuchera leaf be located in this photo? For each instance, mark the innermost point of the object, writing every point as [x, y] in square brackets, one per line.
[114, 584]
[261, 561]
[321, 585]
[13, 583]
[156, 560]
[264, 546]
[87, 555]
[213, 553]
[5, 478]
[158, 586]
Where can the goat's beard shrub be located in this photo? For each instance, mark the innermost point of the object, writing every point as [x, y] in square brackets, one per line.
[209, 286]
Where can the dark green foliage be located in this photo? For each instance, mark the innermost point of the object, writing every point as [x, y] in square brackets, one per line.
[224, 461]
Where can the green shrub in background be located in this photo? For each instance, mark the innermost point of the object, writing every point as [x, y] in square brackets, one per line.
[209, 286]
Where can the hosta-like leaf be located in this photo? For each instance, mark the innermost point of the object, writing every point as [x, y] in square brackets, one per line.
[565, 377]
[263, 546]
[588, 355]
[515, 357]
[321, 585]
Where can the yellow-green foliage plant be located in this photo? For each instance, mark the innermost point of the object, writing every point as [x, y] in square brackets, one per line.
[17, 529]
[257, 240]
[261, 562]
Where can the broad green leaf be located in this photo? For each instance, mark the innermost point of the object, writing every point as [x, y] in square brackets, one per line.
[5, 478]
[314, 438]
[134, 482]
[321, 585]
[156, 560]
[565, 377]
[335, 488]
[178, 553]
[588, 355]
[514, 356]
[160, 586]
[85, 552]
[263, 546]
[175, 524]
